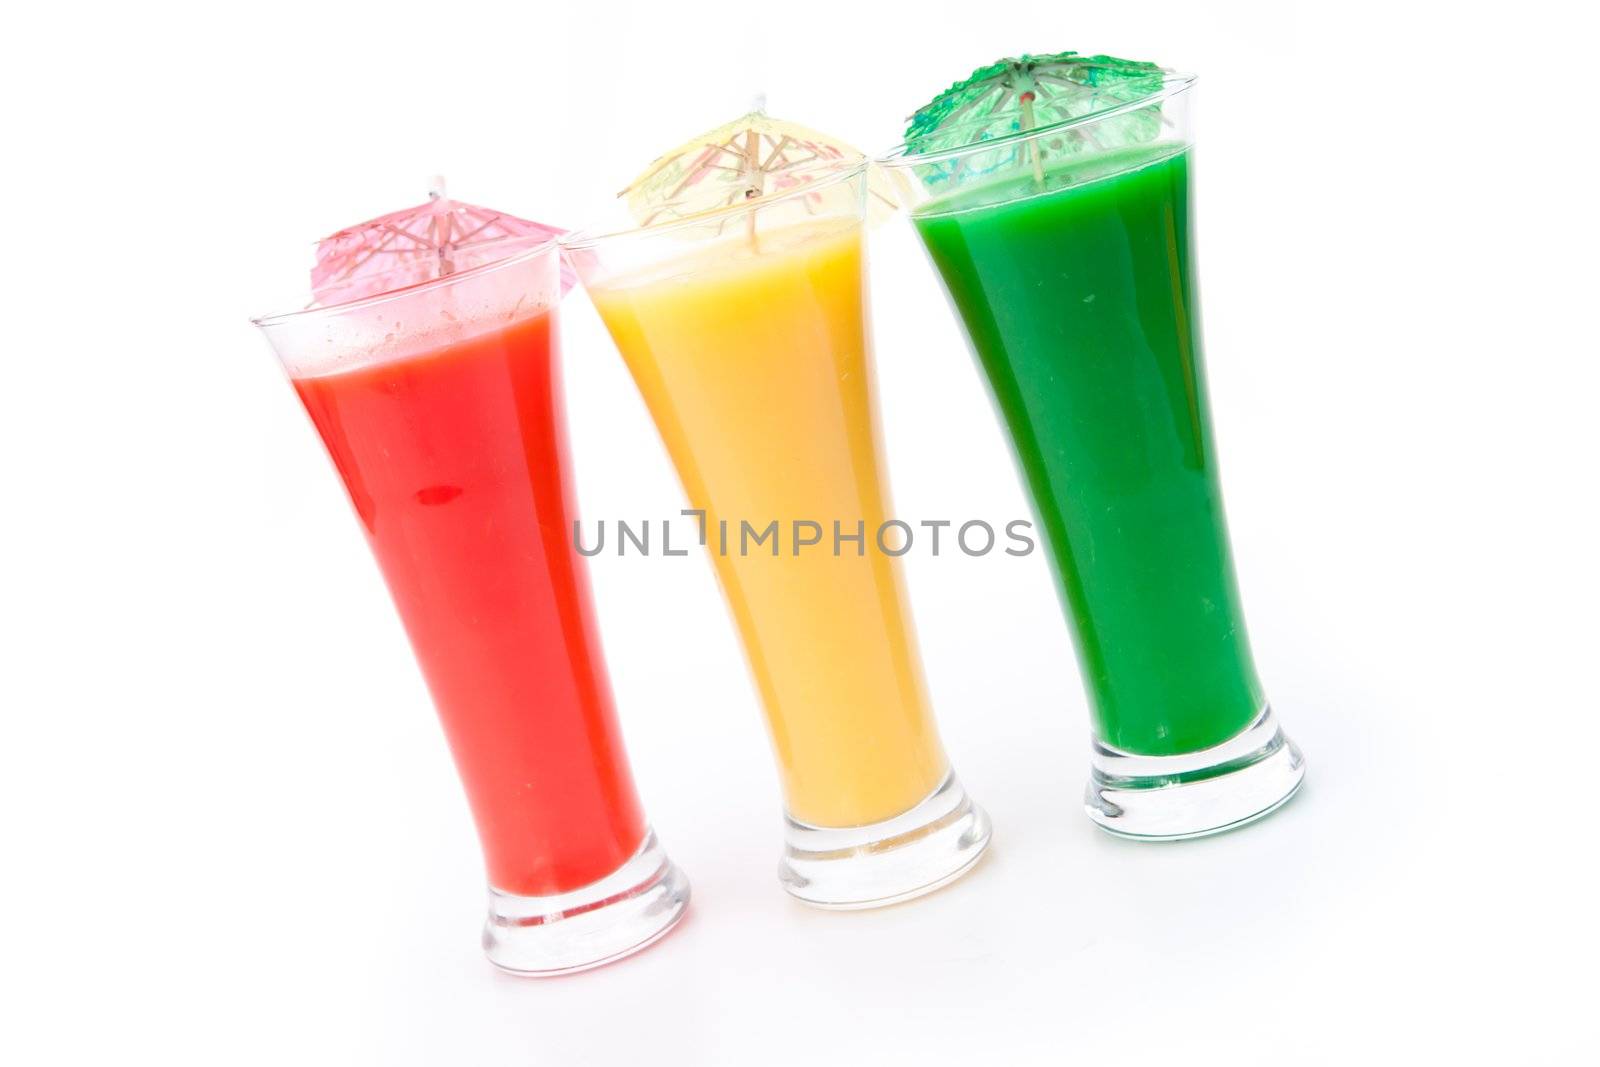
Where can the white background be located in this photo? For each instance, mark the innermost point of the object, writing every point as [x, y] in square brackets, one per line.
[232, 834]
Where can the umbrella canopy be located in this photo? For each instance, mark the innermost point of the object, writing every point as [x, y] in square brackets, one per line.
[433, 240]
[755, 155]
[1028, 92]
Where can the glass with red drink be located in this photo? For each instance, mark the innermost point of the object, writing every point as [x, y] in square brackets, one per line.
[440, 405]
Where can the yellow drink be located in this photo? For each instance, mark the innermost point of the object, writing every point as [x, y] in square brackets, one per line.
[752, 356]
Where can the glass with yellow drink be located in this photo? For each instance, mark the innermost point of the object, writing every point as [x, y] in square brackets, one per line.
[745, 330]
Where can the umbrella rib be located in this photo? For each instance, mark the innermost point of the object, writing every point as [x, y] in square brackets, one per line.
[484, 220]
[776, 152]
[365, 256]
[418, 242]
[481, 227]
[730, 151]
[689, 176]
[974, 109]
[796, 161]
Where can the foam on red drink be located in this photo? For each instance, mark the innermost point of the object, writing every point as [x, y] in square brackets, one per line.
[455, 458]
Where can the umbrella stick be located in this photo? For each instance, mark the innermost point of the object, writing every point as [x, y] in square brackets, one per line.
[1033, 145]
[439, 226]
[752, 170]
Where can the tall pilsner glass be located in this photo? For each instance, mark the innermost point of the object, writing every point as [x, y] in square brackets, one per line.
[745, 330]
[1068, 253]
[440, 405]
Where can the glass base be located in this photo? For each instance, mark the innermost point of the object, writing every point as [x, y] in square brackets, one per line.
[1169, 798]
[843, 868]
[604, 921]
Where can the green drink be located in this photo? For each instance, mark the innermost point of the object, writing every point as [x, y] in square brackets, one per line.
[1067, 251]
[1101, 387]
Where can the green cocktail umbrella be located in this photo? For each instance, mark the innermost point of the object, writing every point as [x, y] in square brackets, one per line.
[1026, 93]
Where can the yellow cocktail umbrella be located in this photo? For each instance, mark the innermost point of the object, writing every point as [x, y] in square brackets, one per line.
[753, 156]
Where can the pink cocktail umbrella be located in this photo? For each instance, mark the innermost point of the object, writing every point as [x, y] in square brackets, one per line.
[420, 244]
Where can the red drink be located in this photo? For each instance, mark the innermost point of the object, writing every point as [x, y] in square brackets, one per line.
[458, 468]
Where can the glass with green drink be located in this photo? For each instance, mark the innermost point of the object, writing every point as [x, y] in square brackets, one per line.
[1053, 195]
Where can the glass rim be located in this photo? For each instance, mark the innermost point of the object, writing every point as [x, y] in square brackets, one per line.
[586, 237]
[901, 155]
[375, 299]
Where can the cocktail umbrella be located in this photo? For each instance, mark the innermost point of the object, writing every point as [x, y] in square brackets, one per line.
[1028, 92]
[754, 155]
[434, 240]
